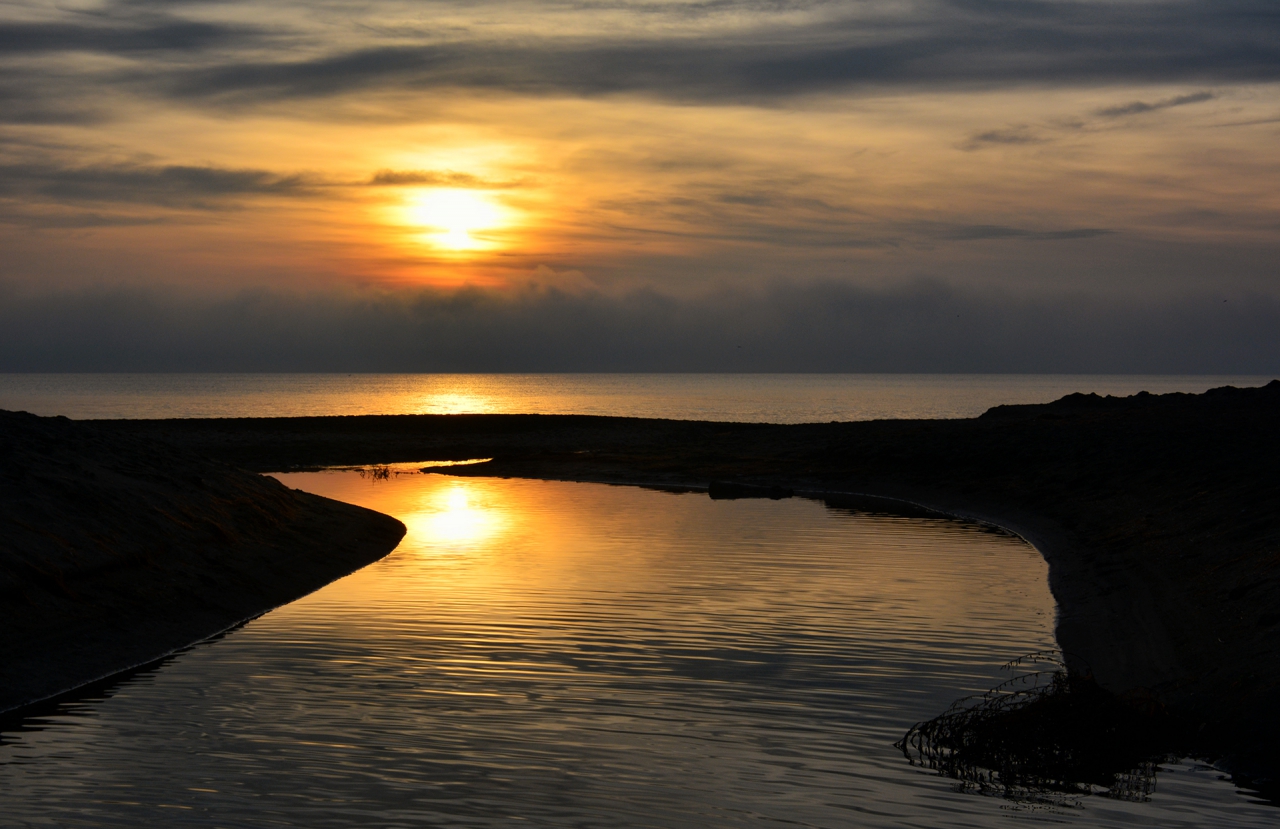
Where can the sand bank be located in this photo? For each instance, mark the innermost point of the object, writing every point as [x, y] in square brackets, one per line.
[116, 550]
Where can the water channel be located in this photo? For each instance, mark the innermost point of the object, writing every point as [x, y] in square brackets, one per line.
[577, 655]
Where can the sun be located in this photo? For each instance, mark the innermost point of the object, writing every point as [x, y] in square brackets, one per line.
[455, 220]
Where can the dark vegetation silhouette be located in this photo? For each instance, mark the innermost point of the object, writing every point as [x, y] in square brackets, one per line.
[1048, 737]
[375, 473]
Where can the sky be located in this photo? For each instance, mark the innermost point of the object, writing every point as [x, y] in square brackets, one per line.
[950, 185]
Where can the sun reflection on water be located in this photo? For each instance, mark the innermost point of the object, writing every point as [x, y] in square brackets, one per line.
[453, 517]
[457, 402]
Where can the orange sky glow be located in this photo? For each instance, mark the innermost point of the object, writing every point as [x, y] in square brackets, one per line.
[1033, 149]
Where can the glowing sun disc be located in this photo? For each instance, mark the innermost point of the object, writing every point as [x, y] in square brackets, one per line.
[451, 218]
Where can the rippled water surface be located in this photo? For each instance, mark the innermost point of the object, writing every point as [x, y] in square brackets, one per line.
[557, 654]
[768, 398]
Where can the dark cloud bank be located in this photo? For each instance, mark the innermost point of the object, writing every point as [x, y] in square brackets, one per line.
[167, 186]
[943, 44]
[929, 45]
[925, 327]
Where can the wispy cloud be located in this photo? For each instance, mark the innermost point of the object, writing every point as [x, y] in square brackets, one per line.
[76, 220]
[770, 54]
[1019, 135]
[1015, 135]
[168, 186]
[42, 98]
[1139, 107]
[980, 232]
[436, 178]
[765, 56]
[123, 37]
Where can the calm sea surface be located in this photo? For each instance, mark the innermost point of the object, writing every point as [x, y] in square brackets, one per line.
[776, 398]
[574, 655]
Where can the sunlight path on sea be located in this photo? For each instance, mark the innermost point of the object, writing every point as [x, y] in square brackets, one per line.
[557, 654]
[756, 398]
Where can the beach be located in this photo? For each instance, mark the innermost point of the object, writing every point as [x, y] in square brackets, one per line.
[1157, 514]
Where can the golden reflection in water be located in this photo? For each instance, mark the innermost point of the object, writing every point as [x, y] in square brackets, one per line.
[502, 548]
[454, 517]
[458, 403]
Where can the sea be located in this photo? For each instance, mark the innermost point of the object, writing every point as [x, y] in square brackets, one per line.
[771, 398]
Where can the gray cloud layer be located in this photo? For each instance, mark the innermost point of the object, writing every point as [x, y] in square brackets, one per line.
[122, 37]
[927, 326]
[937, 44]
[957, 43]
[167, 186]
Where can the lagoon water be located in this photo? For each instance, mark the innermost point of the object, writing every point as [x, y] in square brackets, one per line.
[554, 654]
[776, 398]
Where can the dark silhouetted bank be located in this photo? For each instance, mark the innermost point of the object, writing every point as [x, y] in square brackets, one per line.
[116, 550]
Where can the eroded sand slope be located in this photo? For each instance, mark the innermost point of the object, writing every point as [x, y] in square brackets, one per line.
[115, 550]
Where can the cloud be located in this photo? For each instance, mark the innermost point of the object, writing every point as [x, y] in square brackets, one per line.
[1139, 107]
[982, 232]
[1250, 123]
[940, 44]
[1009, 136]
[75, 220]
[435, 178]
[39, 98]
[1022, 134]
[184, 186]
[769, 54]
[925, 326]
[121, 37]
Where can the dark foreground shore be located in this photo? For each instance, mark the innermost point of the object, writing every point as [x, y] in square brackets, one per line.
[116, 550]
[1159, 515]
